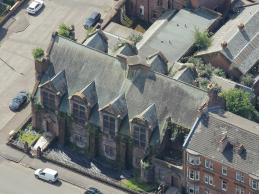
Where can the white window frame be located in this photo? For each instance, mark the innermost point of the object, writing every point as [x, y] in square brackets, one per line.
[207, 192]
[208, 179]
[195, 174]
[224, 186]
[208, 164]
[240, 190]
[142, 10]
[239, 176]
[194, 188]
[194, 160]
[253, 182]
[224, 171]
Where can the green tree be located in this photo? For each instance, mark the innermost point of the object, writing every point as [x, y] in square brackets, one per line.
[219, 72]
[247, 80]
[239, 102]
[38, 53]
[202, 39]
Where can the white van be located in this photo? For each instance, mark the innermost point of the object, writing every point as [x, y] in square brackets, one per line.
[47, 174]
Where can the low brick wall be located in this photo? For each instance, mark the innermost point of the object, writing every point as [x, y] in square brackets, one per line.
[12, 10]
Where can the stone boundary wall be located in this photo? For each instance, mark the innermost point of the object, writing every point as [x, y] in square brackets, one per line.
[12, 11]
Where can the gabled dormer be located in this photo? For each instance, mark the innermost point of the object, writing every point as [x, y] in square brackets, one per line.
[82, 102]
[158, 63]
[53, 90]
[112, 114]
[97, 41]
[142, 126]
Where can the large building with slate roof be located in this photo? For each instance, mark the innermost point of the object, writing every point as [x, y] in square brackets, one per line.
[112, 108]
[222, 154]
[235, 46]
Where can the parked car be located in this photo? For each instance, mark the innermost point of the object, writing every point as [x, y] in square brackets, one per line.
[92, 20]
[92, 190]
[35, 6]
[18, 101]
[47, 174]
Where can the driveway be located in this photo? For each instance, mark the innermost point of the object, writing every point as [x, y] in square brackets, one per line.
[23, 32]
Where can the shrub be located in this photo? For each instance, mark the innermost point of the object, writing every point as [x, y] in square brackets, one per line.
[247, 80]
[135, 38]
[64, 30]
[202, 39]
[38, 53]
[219, 72]
[239, 102]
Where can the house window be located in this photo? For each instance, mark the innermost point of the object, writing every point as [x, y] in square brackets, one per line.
[194, 175]
[109, 151]
[224, 185]
[208, 179]
[109, 125]
[254, 184]
[209, 164]
[207, 192]
[48, 100]
[159, 2]
[240, 190]
[239, 176]
[193, 189]
[139, 136]
[79, 140]
[78, 112]
[141, 10]
[224, 171]
[194, 160]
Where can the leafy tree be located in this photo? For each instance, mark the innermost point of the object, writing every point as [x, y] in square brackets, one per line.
[202, 39]
[37, 53]
[135, 38]
[239, 102]
[247, 80]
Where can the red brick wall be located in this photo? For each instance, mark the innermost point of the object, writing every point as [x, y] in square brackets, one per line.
[216, 173]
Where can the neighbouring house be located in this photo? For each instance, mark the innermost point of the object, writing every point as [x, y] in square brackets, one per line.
[151, 10]
[235, 46]
[221, 155]
[173, 35]
[116, 108]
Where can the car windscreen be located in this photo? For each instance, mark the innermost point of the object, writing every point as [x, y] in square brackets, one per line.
[56, 175]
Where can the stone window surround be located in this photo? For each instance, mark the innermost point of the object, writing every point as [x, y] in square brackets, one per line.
[81, 102]
[80, 105]
[224, 186]
[49, 92]
[138, 140]
[132, 125]
[110, 148]
[193, 159]
[193, 174]
[193, 189]
[102, 114]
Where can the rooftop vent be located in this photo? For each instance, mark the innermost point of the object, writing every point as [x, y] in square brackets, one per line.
[241, 26]
[241, 149]
[224, 44]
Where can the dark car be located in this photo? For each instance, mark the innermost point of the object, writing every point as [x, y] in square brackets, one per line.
[92, 20]
[18, 100]
[93, 190]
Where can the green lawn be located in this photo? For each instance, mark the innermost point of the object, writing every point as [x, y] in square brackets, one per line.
[28, 137]
[137, 186]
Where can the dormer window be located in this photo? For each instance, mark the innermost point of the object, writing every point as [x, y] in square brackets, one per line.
[139, 136]
[48, 100]
[109, 125]
[78, 112]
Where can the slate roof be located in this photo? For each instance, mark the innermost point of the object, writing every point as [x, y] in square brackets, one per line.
[242, 45]
[90, 93]
[83, 65]
[175, 36]
[97, 41]
[59, 82]
[238, 130]
[158, 63]
[185, 75]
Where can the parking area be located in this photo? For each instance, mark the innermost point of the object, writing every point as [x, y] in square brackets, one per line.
[23, 32]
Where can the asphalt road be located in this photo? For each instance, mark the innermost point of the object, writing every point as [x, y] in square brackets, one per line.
[22, 33]
[16, 179]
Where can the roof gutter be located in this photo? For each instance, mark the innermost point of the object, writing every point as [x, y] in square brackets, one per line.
[187, 140]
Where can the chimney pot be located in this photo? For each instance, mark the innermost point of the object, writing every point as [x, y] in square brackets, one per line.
[224, 44]
[241, 26]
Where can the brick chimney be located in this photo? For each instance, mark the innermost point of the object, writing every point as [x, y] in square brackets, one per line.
[241, 26]
[40, 67]
[224, 44]
[223, 143]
